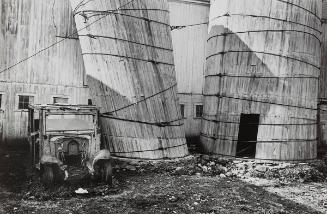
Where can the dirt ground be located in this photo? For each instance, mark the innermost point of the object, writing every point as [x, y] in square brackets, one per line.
[162, 188]
[313, 194]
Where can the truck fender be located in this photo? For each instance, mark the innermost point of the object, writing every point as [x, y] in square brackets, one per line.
[101, 155]
[48, 159]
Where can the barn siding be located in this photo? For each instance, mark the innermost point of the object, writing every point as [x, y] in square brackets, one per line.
[189, 53]
[27, 26]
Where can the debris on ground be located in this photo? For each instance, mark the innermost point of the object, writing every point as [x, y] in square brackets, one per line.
[205, 165]
[81, 191]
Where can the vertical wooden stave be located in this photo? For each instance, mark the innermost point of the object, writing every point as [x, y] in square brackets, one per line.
[322, 114]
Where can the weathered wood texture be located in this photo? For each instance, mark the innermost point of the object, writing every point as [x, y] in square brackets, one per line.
[189, 53]
[322, 129]
[263, 58]
[130, 68]
[323, 76]
[27, 26]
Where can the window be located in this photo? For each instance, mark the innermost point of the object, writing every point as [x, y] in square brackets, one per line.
[89, 102]
[36, 124]
[61, 100]
[182, 106]
[24, 101]
[198, 111]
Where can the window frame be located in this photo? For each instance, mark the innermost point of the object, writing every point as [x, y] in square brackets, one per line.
[59, 96]
[90, 102]
[26, 95]
[195, 110]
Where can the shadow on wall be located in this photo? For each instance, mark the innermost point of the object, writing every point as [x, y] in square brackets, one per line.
[137, 121]
[12, 143]
[114, 101]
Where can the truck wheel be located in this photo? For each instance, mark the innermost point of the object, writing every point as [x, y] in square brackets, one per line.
[47, 175]
[107, 172]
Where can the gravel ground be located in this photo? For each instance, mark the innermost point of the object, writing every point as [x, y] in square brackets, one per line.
[314, 195]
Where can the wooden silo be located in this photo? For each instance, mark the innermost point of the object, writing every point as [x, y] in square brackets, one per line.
[261, 85]
[29, 31]
[322, 116]
[128, 56]
[189, 21]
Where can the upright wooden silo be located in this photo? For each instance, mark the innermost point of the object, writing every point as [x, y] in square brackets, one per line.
[189, 20]
[322, 130]
[128, 56]
[34, 65]
[261, 85]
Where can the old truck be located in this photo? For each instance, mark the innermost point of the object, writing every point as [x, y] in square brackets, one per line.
[62, 136]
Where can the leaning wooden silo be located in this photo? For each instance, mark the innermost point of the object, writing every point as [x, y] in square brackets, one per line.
[261, 86]
[128, 56]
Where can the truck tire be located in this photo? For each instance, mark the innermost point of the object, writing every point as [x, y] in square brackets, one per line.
[107, 172]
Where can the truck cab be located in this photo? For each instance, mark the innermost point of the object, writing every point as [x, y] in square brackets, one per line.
[65, 136]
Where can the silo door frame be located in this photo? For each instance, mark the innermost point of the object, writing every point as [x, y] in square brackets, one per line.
[247, 135]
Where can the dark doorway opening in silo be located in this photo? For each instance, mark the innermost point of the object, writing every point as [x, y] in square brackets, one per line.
[247, 135]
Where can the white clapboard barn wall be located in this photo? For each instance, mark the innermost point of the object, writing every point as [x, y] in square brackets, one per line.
[128, 56]
[189, 21]
[322, 130]
[26, 27]
[261, 84]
